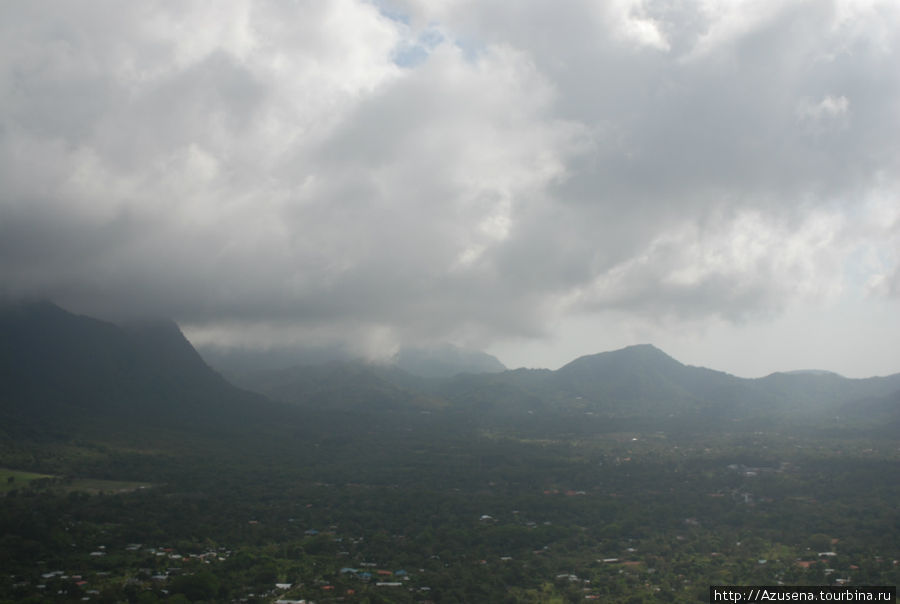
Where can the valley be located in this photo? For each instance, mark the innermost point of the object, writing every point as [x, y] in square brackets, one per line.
[627, 477]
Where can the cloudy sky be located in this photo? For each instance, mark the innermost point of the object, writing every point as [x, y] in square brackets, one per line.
[538, 179]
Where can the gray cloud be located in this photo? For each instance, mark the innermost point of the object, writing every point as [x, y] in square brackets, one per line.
[453, 170]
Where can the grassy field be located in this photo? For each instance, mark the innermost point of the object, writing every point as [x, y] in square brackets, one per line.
[16, 479]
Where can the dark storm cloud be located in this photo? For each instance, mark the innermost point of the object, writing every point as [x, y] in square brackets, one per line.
[291, 171]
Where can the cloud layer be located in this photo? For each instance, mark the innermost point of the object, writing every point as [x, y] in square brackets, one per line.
[465, 171]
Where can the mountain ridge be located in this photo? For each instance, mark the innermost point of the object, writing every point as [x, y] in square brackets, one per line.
[69, 370]
[62, 373]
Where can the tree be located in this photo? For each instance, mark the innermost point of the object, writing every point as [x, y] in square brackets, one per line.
[202, 585]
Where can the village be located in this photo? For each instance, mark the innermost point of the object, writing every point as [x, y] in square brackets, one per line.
[342, 569]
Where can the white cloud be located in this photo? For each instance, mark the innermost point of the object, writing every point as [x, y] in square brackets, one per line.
[829, 107]
[629, 21]
[731, 266]
[728, 22]
[447, 170]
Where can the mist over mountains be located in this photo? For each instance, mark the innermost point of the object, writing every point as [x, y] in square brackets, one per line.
[63, 370]
[435, 361]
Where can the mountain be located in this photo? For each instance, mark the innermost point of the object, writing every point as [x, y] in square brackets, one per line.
[882, 412]
[445, 361]
[64, 373]
[342, 386]
[642, 377]
[635, 384]
[811, 372]
[643, 384]
[810, 390]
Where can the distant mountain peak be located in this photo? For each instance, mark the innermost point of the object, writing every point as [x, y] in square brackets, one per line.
[811, 372]
[643, 349]
[637, 354]
[445, 360]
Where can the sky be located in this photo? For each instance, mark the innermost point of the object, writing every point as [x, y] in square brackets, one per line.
[720, 178]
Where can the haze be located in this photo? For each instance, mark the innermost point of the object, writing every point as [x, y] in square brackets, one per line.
[540, 181]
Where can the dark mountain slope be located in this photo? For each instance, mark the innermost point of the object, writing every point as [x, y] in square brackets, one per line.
[50, 355]
[62, 373]
[342, 386]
